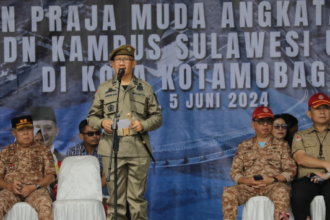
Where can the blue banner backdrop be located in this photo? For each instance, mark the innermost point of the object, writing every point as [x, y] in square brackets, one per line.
[209, 62]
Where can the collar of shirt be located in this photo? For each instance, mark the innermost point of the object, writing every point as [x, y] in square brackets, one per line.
[255, 141]
[84, 151]
[133, 83]
[312, 129]
[15, 146]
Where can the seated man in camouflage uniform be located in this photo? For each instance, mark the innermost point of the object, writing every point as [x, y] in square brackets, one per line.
[261, 155]
[26, 169]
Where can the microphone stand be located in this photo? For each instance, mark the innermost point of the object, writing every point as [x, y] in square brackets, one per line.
[115, 144]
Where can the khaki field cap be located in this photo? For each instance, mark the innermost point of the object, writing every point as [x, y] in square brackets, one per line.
[123, 50]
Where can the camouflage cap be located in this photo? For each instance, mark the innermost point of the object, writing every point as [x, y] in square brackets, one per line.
[123, 50]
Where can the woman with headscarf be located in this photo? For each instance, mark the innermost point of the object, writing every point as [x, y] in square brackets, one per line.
[38, 137]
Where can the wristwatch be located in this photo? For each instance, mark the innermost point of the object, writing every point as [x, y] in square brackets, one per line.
[275, 179]
[37, 186]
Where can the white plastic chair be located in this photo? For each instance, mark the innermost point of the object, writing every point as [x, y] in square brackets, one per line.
[79, 191]
[21, 211]
[318, 208]
[261, 208]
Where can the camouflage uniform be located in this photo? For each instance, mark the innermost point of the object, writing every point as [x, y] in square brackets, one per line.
[27, 167]
[250, 159]
[133, 159]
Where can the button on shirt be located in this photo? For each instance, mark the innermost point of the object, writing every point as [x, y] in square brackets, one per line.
[80, 150]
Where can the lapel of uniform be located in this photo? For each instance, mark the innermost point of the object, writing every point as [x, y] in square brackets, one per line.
[114, 83]
[269, 142]
[132, 84]
[255, 144]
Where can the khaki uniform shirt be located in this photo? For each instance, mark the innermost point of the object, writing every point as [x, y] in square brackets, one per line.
[26, 167]
[271, 160]
[307, 141]
[139, 99]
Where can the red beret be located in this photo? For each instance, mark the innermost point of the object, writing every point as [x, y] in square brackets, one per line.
[262, 112]
[318, 99]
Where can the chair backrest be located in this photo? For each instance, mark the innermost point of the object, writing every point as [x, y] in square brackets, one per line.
[79, 178]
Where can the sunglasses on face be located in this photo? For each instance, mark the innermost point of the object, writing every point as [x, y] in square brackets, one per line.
[91, 134]
[268, 121]
[283, 126]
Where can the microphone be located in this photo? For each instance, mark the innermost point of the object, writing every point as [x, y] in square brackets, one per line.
[120, 74]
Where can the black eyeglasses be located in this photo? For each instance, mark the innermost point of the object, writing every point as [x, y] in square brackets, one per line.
[91, 134]
[126, 60]
[283, 126]
[268, 121]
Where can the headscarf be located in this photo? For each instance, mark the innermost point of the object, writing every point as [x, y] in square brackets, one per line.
[35, 132]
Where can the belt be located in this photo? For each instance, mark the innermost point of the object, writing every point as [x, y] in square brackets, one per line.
[124, 132]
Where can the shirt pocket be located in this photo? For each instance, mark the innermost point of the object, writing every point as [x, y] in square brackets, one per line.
[249, 159]
[310, 148]
[110, 104]
[274, 160]
[37, 164]
[138, 105]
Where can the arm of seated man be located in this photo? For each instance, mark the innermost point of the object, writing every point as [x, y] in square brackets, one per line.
[28, 189]
[251, 182]
[14, 187]
[271, 180]
[103, 180]
[305, 160]
[261, 183]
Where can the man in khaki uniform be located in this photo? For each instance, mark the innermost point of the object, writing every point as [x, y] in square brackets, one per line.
[262, 155]
[136, 96]
[26, 169]
[311, 150]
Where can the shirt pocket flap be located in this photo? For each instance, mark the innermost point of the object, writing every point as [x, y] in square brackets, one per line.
[37, 163]
[110, 104]
[275, 163]
[249, 159]
[37, 159]
[138, 104]
[310, 143]
[9, 160]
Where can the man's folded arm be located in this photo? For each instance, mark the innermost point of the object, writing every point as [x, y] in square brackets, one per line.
[236, 171]
[307, 161]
